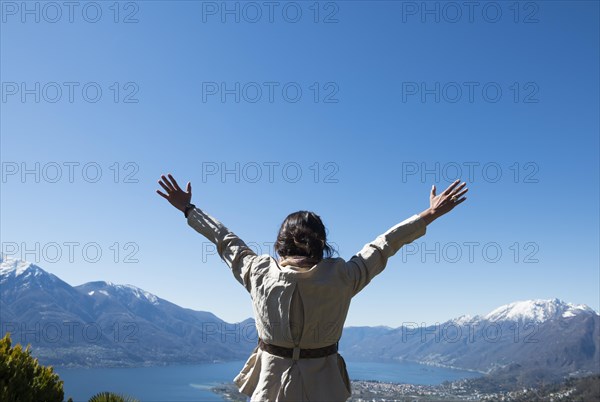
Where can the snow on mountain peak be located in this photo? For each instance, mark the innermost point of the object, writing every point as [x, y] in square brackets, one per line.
[465, 319]
[140, 293]
[537, 310]
[9, 265]
[14, 267]
[129, 289]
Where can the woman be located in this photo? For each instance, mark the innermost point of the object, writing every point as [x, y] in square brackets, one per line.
[301, 300]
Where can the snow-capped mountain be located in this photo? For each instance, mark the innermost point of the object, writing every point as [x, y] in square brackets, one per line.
[538, 311]
[551, 337]
[105, 324]
[30, 294]
[109, 289]
[533, 311]
[101, 323]
[465, 319]
[11, 268]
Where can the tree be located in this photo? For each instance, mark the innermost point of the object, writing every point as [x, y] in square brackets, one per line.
[23, 379]
[110, 397]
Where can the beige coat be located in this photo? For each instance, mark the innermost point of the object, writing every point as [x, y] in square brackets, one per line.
[301, 307]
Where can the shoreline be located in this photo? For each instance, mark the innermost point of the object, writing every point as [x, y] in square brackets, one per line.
[172, 364]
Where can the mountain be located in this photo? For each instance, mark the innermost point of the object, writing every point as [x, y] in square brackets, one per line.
[24, 285]
[103, 324]
[538, 311]
[547, 338]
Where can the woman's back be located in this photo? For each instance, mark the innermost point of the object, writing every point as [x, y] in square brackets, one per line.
[322, 293]
[300, 309]
[303, 308]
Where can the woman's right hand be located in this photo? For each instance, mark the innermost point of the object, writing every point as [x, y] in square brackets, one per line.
[445, 202]
[175, 195]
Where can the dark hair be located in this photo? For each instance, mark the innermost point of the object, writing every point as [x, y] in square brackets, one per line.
[302, 233]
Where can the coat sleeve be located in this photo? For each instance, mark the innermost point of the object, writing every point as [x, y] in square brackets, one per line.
[372, 258]
[232, 250]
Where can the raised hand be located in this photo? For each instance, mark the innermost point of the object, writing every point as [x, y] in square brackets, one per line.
[449, 198]
[445, 202]
[175, 195]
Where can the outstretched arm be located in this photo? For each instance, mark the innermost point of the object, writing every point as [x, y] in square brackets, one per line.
[236, 254]
[373, 257]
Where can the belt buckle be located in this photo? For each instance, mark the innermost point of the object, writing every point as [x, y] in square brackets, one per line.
[296, 353]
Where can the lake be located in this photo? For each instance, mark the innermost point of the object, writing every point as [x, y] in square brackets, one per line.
[193, 382]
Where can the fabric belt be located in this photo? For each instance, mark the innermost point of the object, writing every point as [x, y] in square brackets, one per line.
[297, 353]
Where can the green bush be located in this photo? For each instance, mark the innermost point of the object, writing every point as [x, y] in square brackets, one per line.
[23, 379]
[110, 397]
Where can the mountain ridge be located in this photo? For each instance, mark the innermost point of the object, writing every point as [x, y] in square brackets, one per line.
[509, 311]
[100, 323]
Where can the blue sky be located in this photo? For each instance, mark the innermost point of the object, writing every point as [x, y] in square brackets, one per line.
[360, 144]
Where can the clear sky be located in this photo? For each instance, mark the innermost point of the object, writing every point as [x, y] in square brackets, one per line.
[351, 109]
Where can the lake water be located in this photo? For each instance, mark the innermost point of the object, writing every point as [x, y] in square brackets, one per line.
[193, 382]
